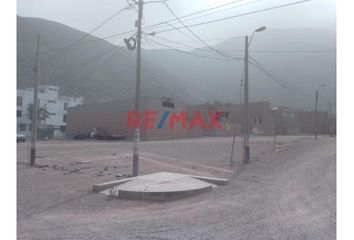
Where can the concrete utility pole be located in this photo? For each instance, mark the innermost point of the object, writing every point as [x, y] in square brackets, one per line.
[233, 146]
[275, 114]
[246, 147]
[316, 103]
[330, 119]
[35, 107]
[316, 109]
[137, 89]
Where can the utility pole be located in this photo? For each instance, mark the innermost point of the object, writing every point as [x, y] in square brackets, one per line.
[246, 150]
[275, 114]
[246, 130]
[330, 120]
[316, 109]
[137, 89]
[233, 145]
[316, 103]
[35, 107]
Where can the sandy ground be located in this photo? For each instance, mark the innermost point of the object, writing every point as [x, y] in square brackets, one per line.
[288, 193]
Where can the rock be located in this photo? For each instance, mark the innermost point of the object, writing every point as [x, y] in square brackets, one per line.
[83, 162]
[42, 166]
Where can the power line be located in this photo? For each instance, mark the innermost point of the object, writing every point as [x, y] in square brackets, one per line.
[99, 66]
[200, 39]
[278, 80]
[85, 63]
[183, 44]
[192, 25]
[222, 10]
[106, 61]
[195, 13]
[155, 25]
[179, 30]
[158, 25]
[217, 39]
[88, 33]
[282, 83]
[274, 78]
[188, 53]
[283, 51]
[239, 15]
[256, 64]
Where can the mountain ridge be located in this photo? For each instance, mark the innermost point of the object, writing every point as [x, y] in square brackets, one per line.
[167, 73]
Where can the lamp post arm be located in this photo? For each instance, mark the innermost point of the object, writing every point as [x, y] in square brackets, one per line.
[249, 42]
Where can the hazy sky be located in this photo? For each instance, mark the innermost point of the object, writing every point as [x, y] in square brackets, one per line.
[86, 14]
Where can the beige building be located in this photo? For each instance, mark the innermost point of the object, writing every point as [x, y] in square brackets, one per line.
[113, 118]
[261, 119]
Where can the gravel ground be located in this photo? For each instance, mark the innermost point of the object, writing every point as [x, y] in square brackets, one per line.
[289, 193]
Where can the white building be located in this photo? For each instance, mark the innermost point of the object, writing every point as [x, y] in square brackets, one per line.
[50, 100]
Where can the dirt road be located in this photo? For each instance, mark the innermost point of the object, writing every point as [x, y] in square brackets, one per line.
[286, 194]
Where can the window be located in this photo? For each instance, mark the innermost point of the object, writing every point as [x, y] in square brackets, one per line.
[64, 118]
[168, 104]
[19, 113]
[66, 105]
[19, 101]
[42, 90]
[255, 120]
[52, 101]
[23, 127]
[224, 115]
[260, 121]
[52, 114]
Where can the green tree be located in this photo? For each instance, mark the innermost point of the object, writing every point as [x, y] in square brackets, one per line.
[42, 115]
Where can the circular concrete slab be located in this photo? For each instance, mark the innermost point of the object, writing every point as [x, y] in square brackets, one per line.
[161, 186]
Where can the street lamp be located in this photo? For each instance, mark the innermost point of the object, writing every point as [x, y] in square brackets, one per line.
[317, 92]
[246, 150]
[261, 29]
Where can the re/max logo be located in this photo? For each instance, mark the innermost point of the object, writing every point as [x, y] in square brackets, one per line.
[150, 120]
